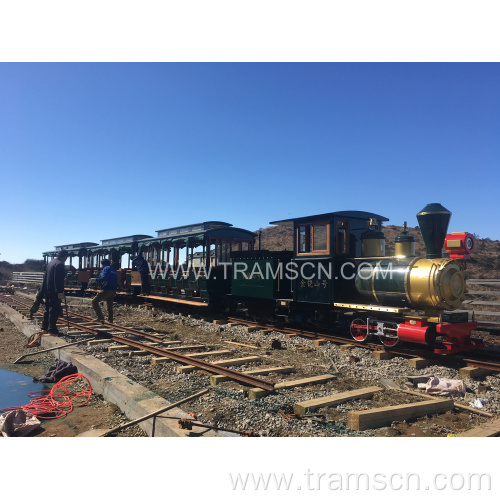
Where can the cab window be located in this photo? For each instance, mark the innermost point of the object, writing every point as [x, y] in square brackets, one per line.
[313, 238]
[342, 237]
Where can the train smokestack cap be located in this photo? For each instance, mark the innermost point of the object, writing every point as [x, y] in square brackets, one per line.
[433, 220]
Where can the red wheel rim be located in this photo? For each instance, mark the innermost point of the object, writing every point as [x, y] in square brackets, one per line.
[359, 330]
[389, 341]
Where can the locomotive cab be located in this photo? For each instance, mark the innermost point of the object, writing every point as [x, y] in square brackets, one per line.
[322, 245]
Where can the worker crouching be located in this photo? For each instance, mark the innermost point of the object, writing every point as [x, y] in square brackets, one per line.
[109, 282]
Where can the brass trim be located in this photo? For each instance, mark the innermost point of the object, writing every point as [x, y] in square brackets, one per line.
[408, 280]
[365, 307]
[431, 213]
[373, 286]
[385, 257]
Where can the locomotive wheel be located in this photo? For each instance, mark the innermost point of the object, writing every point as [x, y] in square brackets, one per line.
[390, 341]
[359, 330]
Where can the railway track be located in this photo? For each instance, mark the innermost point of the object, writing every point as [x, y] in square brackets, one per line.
[78, 324]
[480, 358]
[474, 358]
[116, 333]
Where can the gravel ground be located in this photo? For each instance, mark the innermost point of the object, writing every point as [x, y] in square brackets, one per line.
[228, 406]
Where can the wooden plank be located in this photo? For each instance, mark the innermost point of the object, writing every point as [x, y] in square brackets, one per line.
[346, 347]
[127, 347]
[208, 353]
[380, 417]
[318, 379]
[146, 353]
[419, 363]
[473, 372]
[223, 362]
[484, 292]
[217, 379]
[95, 342]
[489, 324]
[486, 281]
[257, 393]
[455, 404]
[335, 399]
[121, 348]
[488, 429]
[251, 328]
[193, 355]
[179, 301]
[381, 355]
[482, 302]
[479, 313]
[131, 354]
[182, 347]
[319, 342]
[242, 345]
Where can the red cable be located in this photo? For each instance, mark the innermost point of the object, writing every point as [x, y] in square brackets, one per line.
[59, 401]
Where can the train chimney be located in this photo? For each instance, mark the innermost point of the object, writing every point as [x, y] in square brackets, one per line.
[433, 221]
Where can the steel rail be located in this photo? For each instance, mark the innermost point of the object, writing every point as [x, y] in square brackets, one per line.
[125, 329]
[487, 365]
[401, 351]
[233, 374]
[79, 326]
[219, 370]
[305, 333]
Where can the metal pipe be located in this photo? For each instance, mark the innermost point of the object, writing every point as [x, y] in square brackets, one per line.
[157, 412]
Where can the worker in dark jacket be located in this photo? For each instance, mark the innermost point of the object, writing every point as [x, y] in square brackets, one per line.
[142, 266]
[109, 283]
[53, 291]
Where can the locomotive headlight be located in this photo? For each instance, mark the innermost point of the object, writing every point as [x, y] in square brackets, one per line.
[469, 243]
[459, 245]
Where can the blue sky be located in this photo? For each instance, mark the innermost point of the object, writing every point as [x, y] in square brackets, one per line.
[91, 151]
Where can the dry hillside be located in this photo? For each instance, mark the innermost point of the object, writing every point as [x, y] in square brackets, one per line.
[485, 262]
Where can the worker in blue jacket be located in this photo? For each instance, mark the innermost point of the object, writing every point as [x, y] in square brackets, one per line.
[109, 283]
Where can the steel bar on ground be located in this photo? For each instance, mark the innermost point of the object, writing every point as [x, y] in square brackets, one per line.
[157, 412]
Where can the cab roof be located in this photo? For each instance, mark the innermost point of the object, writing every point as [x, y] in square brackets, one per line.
[347, 214]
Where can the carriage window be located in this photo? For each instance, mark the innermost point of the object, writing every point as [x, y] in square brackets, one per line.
[313, 238]
[342, 238]
[303, 239]
[319, 237]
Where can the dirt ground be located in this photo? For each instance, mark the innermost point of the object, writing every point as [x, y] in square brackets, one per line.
[97, 414]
